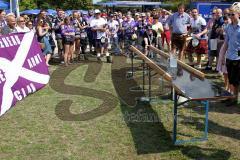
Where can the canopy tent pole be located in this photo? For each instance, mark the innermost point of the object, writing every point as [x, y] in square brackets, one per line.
[14, 7]
[17, 8]
[11, 9]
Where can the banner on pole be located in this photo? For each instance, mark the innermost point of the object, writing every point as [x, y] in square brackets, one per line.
[23, 70]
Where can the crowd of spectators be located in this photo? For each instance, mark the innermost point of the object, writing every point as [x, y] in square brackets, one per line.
[106, 34]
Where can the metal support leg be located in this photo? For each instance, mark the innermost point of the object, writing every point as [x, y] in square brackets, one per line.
[130, 74]
[206, 104]
[137, 88]
[173, 94]
[143, 74]
[132, 62]
[203, 138]
[149, 82]
[175, 118]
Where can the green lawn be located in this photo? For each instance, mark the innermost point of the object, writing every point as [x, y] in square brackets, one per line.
[87, 112]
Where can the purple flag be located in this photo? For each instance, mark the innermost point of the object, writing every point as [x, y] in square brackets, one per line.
[23, 70]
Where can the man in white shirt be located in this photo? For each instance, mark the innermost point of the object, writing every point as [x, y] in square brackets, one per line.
[99, 25]
[158, 27]
[21, 27]
[113, 27]
[198, 45]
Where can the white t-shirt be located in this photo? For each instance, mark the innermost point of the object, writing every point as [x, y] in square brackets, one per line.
[96, 23]
[158, 27]
[89, 20]
[198, 25]
[22, 30]
[113, 27]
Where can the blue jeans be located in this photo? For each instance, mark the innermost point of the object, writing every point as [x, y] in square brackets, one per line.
[115, 45]
[47, 46]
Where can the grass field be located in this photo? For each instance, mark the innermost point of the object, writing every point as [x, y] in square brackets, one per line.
[86, 112]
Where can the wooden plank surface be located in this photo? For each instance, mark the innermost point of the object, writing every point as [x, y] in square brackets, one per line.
[182, 64]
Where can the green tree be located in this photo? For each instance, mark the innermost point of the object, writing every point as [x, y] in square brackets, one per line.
[64, 4]
[27, 4]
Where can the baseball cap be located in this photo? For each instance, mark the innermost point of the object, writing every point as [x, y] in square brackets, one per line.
[137, 14]
[143, 14]
[96, 11]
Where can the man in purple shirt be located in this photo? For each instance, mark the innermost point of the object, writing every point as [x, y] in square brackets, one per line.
[129, 28]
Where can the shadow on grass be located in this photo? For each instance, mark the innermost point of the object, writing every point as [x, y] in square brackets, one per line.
[148, 132]
[198, 153]
[215, 128]
[62, 109]
[222, 108]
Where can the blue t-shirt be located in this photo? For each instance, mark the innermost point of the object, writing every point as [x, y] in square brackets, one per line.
[233, 40]
[179, 22]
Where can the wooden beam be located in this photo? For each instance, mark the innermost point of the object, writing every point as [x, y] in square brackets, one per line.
[182, 64]
[151, 64]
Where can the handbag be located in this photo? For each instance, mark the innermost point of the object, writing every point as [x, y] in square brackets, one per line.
[83, 35]
[134, 36]
[195, 42]
[103, 39]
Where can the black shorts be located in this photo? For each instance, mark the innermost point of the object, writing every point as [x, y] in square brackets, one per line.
[233, 68]
[99, 44]
[68, 42]
[178, 41]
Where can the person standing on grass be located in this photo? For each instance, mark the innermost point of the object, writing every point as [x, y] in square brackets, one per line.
[214, 38]
[58, 21]
[91, 35]
[113, 27]
[231, 48]
[166, 34]
[83, 35]
[99, 26]
[158, 27]
[178, 23]
[149, 39]
[42, 30]
[77, 27]
[68, 34]
[222, 68]
[129, 28]
[198, 29]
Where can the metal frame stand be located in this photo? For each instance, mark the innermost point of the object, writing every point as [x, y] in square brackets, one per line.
[137, 88]
[175, 117]
[130, 73]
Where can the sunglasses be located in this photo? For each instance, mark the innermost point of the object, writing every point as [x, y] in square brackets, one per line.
[21, 21]
[230, 14]
[213, 13]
